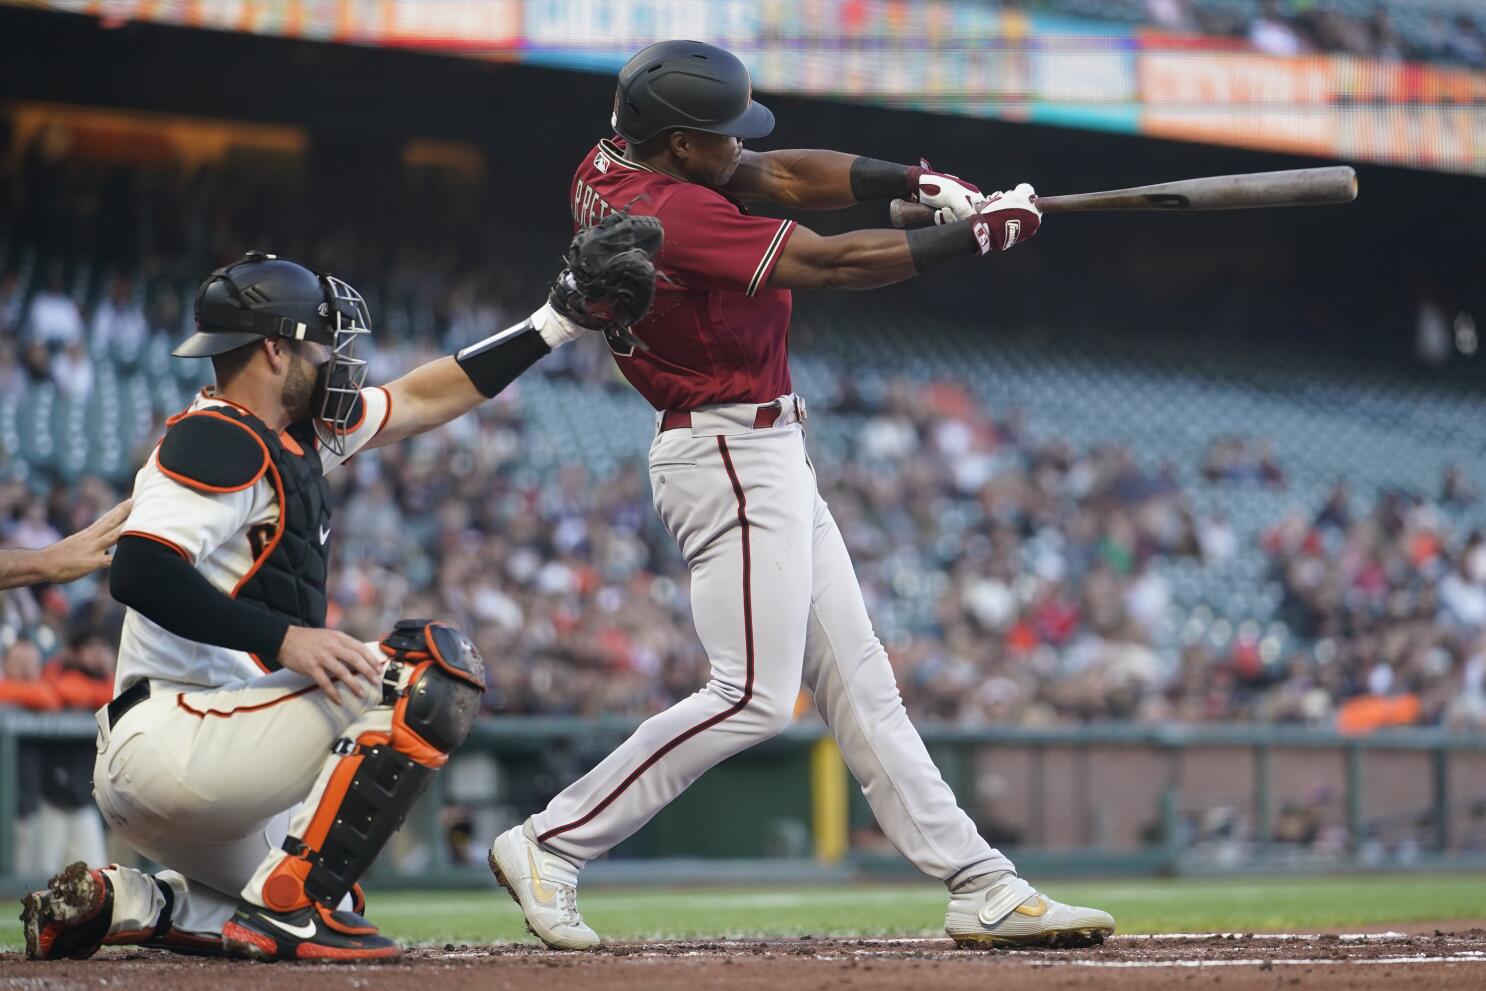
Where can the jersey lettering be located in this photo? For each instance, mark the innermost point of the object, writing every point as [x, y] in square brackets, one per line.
[588, 206]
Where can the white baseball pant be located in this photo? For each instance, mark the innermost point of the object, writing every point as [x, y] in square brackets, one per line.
[775, 601]
[208, 782]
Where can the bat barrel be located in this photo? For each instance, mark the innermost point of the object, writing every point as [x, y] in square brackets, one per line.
[1294, 187]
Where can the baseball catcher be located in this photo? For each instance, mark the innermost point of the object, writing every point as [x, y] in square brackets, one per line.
[261, 758]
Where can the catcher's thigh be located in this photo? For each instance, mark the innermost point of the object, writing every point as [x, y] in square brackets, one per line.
[214, 765]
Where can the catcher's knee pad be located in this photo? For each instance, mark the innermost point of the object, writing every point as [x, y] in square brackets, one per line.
[442, 681]
[434, 686]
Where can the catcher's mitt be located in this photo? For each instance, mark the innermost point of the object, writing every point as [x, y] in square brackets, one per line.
[609, 280]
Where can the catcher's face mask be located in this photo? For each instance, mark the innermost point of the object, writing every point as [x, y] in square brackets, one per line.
[338, 386]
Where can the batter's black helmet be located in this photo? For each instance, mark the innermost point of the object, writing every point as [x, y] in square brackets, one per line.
[690, 85]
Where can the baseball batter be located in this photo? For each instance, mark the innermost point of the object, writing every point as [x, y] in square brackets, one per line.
[262, 759]
[775, 600]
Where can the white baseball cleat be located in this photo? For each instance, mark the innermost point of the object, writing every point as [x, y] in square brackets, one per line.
[546, 888]
[1010, 912]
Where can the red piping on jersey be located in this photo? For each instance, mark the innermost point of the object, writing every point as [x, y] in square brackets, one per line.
[387, 415]
[737, 706]
[180, 700]
[159, 540]
[359, 420]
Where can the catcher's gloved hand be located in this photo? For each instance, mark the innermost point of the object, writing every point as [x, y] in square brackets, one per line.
[609, 280]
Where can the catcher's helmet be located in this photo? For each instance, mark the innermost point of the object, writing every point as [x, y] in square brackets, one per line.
[690, 85]
[263, 296]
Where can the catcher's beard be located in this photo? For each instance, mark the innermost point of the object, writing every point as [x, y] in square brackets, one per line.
[299, 388]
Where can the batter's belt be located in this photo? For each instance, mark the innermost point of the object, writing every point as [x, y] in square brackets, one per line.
[766, 415]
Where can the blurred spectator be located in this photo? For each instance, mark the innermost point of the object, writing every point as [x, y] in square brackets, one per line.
[12, 372]
[1466, 43]
[1272, 33]
[72, 370]
[10, 304]
[53, 318]
[1216, 538]
[36, 362]
[119, 327]
[1239, 461]
[1172, 15]
[21, 684]
[1384, 41]
[1457, 491]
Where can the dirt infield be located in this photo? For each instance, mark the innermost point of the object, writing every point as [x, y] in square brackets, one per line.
[1434, 959]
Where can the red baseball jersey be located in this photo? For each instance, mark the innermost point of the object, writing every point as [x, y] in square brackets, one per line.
[717, 332]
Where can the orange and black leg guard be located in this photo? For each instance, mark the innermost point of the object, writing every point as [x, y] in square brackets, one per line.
[432, 692]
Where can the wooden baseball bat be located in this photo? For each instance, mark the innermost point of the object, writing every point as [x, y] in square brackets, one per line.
[1296, 187]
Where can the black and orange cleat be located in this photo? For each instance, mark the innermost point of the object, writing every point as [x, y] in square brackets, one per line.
[70, 918]
[310, 933]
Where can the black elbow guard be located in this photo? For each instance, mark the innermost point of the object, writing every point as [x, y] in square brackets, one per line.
[494, 363]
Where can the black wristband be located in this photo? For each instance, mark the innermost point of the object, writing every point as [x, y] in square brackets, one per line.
[874, 179]
[936, 245]
[494, 363]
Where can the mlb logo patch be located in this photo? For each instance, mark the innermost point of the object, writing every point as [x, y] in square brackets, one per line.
[601, 162]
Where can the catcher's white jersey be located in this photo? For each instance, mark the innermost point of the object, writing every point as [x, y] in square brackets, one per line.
[213, 532]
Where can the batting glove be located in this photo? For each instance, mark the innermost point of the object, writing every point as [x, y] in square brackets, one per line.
[1006, 219]
[951, 197]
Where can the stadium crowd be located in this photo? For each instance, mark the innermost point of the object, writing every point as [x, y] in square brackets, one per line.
[1438, 34]
[1033, 573]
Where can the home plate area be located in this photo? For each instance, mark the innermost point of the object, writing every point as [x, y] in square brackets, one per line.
[1434, 959]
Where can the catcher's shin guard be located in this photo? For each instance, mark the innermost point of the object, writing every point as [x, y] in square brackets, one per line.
[432, 692]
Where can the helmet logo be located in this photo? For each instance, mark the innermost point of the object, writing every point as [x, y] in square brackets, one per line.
[324, 309]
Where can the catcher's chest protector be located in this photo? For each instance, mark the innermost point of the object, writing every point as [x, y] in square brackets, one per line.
[290, 579]
[291, 554]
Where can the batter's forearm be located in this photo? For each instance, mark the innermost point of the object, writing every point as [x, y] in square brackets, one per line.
[814, 179]
[867, 259]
